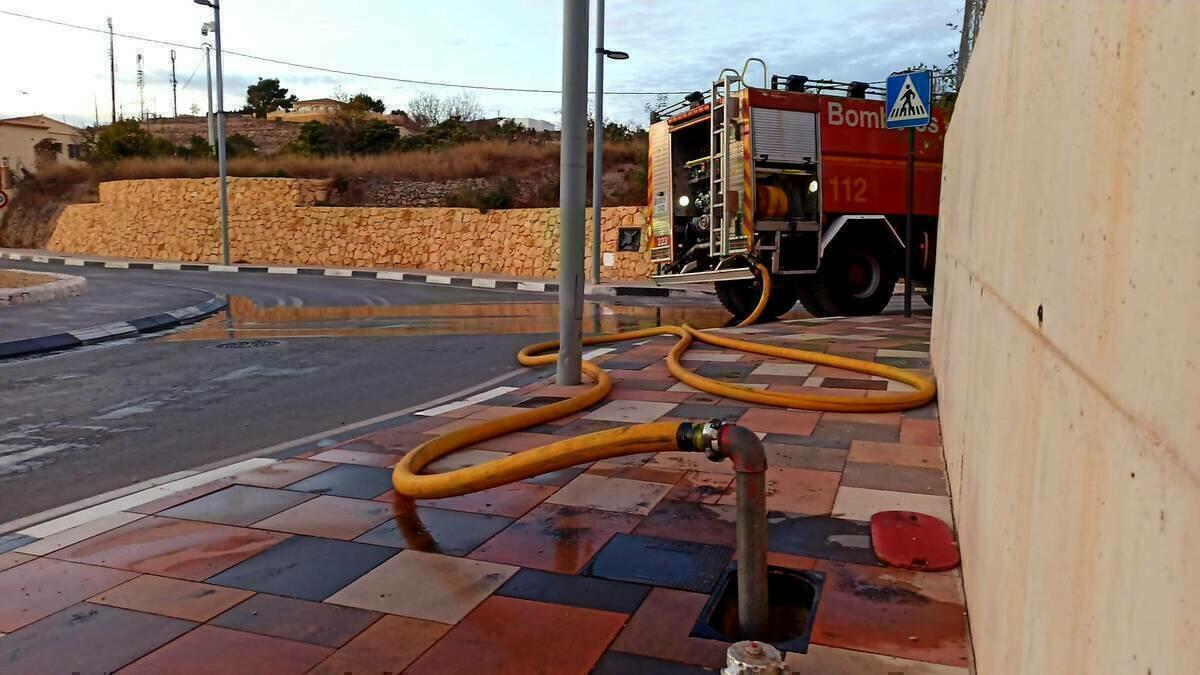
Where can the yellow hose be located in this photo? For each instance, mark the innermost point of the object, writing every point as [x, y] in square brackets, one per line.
[656, 437]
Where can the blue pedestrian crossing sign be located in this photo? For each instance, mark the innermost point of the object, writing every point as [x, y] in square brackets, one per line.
[908, 99]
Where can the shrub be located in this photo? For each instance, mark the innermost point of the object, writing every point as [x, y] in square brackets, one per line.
[499, 195]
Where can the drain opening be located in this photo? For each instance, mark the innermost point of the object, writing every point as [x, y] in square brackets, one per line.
[248, 344]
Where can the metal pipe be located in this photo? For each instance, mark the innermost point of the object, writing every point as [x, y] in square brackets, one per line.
[212, 132]
[598, 145]
[750, 462]
[222, 172]
[572, 211]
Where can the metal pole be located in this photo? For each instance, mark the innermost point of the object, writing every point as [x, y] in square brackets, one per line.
[908, 282]
[598, 145]
[572, 211]
[221, 169]
[212, 132]
[112, 70]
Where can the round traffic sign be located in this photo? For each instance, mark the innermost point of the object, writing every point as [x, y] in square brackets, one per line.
[3, 199]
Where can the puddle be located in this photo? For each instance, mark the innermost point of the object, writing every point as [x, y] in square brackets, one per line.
[246, 320]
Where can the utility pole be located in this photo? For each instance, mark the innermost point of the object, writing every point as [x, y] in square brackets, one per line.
[598, 146]
[222, 172]
[141, 85]
[174, 82]
[572, 187]
[112, 70]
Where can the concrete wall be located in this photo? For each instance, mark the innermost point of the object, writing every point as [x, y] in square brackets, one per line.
[1065, 337]
[276, 221]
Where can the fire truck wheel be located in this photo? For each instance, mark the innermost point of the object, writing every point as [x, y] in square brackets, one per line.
[741, 297]
[855, 279]
[806, 292]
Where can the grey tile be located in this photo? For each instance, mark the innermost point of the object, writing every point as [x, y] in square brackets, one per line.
[308, 568]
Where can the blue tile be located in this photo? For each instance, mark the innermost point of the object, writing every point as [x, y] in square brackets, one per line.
[683, 565]
[567, 589]
[347, 480]
[308, 568]
[436, 530]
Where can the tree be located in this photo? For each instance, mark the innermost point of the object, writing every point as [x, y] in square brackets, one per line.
[428, 109]
[197, 147]
[240, 145]
[363, 101]
[195, 110]
[267, 96]
[126, 138]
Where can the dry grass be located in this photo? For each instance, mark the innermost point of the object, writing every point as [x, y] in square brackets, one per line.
[19, 279]
[480, 159]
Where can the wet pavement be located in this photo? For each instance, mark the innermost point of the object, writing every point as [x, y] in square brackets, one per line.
[313, 564]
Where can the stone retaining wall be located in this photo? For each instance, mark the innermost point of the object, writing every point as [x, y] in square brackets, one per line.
[277, 221]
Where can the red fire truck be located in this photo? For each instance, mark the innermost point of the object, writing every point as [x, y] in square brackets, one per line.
[800, 175]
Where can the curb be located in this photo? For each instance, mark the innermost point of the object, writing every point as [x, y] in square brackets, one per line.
[383, 275]
[63, 286]
[111, 331]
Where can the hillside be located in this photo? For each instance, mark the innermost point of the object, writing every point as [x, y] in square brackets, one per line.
[269, 135]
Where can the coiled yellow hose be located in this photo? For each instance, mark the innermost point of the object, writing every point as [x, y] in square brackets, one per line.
[655, 437]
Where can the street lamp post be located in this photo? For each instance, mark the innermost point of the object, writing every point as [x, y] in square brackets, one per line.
[221, 168]
[572, 209]
[598, 139]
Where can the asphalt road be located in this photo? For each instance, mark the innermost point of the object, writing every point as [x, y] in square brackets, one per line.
[90, 420]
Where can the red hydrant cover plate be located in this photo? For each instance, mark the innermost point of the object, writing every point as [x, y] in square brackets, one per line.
[913, 541]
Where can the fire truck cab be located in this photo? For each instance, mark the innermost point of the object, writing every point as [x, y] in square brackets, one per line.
[800, 175]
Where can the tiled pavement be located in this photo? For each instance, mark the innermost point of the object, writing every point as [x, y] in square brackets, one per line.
[312, 564]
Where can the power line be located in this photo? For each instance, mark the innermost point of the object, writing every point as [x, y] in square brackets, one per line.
[335, 71]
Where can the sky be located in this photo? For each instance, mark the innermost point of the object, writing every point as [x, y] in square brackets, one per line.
[674, 45]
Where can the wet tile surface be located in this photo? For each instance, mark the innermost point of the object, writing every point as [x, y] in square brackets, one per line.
[913, 615]
[610, 494]
[9, 542]
[172, 597]
[513, 500]
[496, 638]
[805, 457]
[170, 547]
[301, 620]
[281, 473]
[425, 586]
[821, 537]
[661, 626]
[821, 660]
[361, 482]
[555, 538]
[683, 565]
[434, 530]
[236, 505]
[388, 645]
[695, 486]
[307, 568]
[210, 649]
[794, 491]
[87, 638]
[619, 663]
[42, 587]
[691, 521]
[577, 591]
[330, 517]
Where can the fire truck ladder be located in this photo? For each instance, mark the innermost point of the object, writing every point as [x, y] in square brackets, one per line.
[721, 124]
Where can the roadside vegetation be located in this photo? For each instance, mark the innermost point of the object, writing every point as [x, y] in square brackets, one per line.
[437, 140]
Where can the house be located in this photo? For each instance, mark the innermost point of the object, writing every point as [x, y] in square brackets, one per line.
[35, 141]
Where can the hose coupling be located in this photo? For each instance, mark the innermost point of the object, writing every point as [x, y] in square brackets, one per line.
[701, 437]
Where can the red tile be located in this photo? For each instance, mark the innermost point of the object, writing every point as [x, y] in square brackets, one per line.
[388, 646]
[920, 432]
[923, 456]
[629, 394]
[889, 418]
[42, 587]
[218, 651]
[912, 615]
[170, 547]
[517, 442]
[513, 500]
[775, 421]
[802, 491]
[691, 521]
[329, 516]
[555, 538]
[696, 486]
[642, 473]
[453, 425]
[172, 597]
[661, 626]
[317, 623]
[510, 635]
